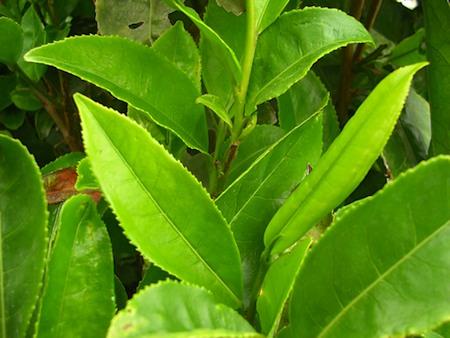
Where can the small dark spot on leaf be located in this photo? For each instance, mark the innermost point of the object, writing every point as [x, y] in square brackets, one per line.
[135, 25]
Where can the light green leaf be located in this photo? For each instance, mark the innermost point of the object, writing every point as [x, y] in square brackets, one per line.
[138, 76]
[177, 46]
[217, 105]
[345, 164]
[141, 20]
[69, 160]
[275, 291]
[291, 45]
[11, 40]
[382, 269]
[23, 241]
[255, 144]
[162, 227]
[172, 309]
[437, 28]
[217, 78]
[33, 35]
[249, 203]
[227, 54]
[80, 280]
[267, 11]
[85, 177]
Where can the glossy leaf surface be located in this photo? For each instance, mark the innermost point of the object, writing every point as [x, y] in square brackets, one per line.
[249, 203]
[345, 164]
[170, 213]
[23, 236]
[177, 46]
[437, 28]
[267, 11]
[382, 268]
[136, 74]
[11, 40]
[80, 280]
[172, 309]
[85, 177]
[278, 285]
[301, 37]
[217, 105]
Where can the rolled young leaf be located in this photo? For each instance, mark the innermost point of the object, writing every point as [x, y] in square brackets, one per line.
[23, 236]
[382, 269]
[136, 74]
[345, 163]
[80, 279]
[173, 309]
[301, 37]
[249, 203]
[163, 209]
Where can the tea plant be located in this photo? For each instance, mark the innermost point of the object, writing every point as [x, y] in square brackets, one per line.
[243, 226]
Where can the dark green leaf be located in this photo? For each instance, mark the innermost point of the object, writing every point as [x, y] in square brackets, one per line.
[79, 282]
[139, 76]
[11, 40]
[7, 84]
[382, 269]
[301, 37]
[23, 226]
[345, 163]
[409, 51]
[172, 309]
[25, 100]
[163, 228]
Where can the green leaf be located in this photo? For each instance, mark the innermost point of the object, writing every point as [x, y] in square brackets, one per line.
[162, 227]
[345, 163]
[301, 37]
[23, 242]
[12, 118]
[141, 20]
[409, 50]
[172, 309]
[80, 280]
[24, 99]
[217, 105]
[153, 275]
[33, 35]
[69, 160]
[249, 203]
[409, 142]
[382, 269]
[217, 77]
[177, 46]
[228, 56]
[255, 144]
[236, 7]
[139, 77]
[267, 11]
[302, 100]
[437, 27]
[11, 40]
[120, 293]
[7, 84]
[85, 177]
[275, 291]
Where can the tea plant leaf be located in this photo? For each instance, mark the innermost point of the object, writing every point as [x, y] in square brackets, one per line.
[236, 7]
[305, 98]
[141, 20]
[69, 160]
[80, 279]
[137, 76]
[85, 177]
[217, 105]
[291, 45]
[382, 269]
[437, 28]
[345, 164]
[275, 291]
[11, 40]
[177, 46]
[227, 54]
[217, 78]
[131, 166]
[251, 147]
[23, 236]
[267, 11]
[249, 203]
[172, 309]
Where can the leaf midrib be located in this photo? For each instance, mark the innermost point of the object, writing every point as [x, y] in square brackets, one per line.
[381, 277]
[164, 214]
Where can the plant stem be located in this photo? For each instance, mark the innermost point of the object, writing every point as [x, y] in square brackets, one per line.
[216, 171]
[371, 17]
